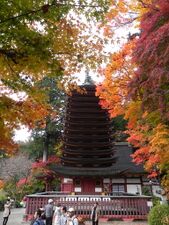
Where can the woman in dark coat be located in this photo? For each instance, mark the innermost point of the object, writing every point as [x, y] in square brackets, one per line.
[95, 214]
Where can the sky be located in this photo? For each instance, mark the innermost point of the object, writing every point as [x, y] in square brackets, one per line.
[22, 135]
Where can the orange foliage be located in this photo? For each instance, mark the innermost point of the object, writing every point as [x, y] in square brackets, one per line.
[113, 90]
[137, 86]
[12, 113]
[1, 184]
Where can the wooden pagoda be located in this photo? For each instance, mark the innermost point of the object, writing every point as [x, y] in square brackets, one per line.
[88, 154]
[87, 136]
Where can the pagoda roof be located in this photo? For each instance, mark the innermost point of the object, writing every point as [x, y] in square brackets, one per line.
[122, 166]
[123, 151]
[89, 152]
[106, 130]
[86, 172]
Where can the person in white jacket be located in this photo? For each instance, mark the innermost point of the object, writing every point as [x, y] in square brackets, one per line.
[57, 215]
[7, 211]
[63, 218]
[71, 217]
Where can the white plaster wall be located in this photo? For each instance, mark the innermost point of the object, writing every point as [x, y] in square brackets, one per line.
[146, 183]
[106, 180]
[78, 189]
[134, 188]
[133, 180]
[157, 191]
[98, 189]
[67, 180]
[118, 181]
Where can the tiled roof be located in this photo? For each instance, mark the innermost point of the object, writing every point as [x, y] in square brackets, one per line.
[123, 165]
[124, 159]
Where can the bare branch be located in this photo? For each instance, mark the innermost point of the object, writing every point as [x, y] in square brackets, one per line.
[15, 167]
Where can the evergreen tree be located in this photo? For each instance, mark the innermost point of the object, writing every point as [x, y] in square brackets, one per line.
[47, 132]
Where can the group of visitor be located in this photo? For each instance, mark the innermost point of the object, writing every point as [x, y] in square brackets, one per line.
[60, 215]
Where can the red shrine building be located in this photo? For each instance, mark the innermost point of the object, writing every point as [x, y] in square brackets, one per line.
[91, 163]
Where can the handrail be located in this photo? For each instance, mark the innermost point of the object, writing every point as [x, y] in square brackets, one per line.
[55, 194]
[135, 207]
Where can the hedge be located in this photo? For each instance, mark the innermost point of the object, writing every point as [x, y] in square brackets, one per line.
[159, 215]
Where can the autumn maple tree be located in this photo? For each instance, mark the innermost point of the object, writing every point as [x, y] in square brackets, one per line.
[38, 39]
[42, 171]
[150, 85]
[136, 84]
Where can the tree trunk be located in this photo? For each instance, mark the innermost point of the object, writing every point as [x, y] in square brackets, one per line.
[45, 150]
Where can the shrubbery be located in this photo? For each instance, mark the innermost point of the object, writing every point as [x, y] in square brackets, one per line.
[2, 200]
[17, 192]
[159, 215]
[156, 200]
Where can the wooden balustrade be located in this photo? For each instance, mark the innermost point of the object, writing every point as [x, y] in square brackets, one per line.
[129, 207]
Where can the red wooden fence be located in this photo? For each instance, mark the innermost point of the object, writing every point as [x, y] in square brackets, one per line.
[129, 207]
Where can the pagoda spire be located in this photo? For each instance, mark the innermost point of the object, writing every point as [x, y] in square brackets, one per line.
[88, 80]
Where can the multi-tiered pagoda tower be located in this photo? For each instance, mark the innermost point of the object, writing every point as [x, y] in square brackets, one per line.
[88, 154]
[87, 136]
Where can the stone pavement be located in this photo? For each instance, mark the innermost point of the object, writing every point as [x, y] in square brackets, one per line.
[17, 216]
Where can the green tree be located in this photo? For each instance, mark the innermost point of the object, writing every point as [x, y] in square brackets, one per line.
[119, 125]
[47, 132]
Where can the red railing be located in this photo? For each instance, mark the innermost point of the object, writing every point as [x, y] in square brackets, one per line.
[130, 207]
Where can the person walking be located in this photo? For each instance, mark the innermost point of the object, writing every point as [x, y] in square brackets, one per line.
[48, 211]
[38, 220]
[95, 214]
[57, 214]
[63, 218]
[71, 217]
[7, 211]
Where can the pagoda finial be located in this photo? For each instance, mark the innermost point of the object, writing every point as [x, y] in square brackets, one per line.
[88, 80]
